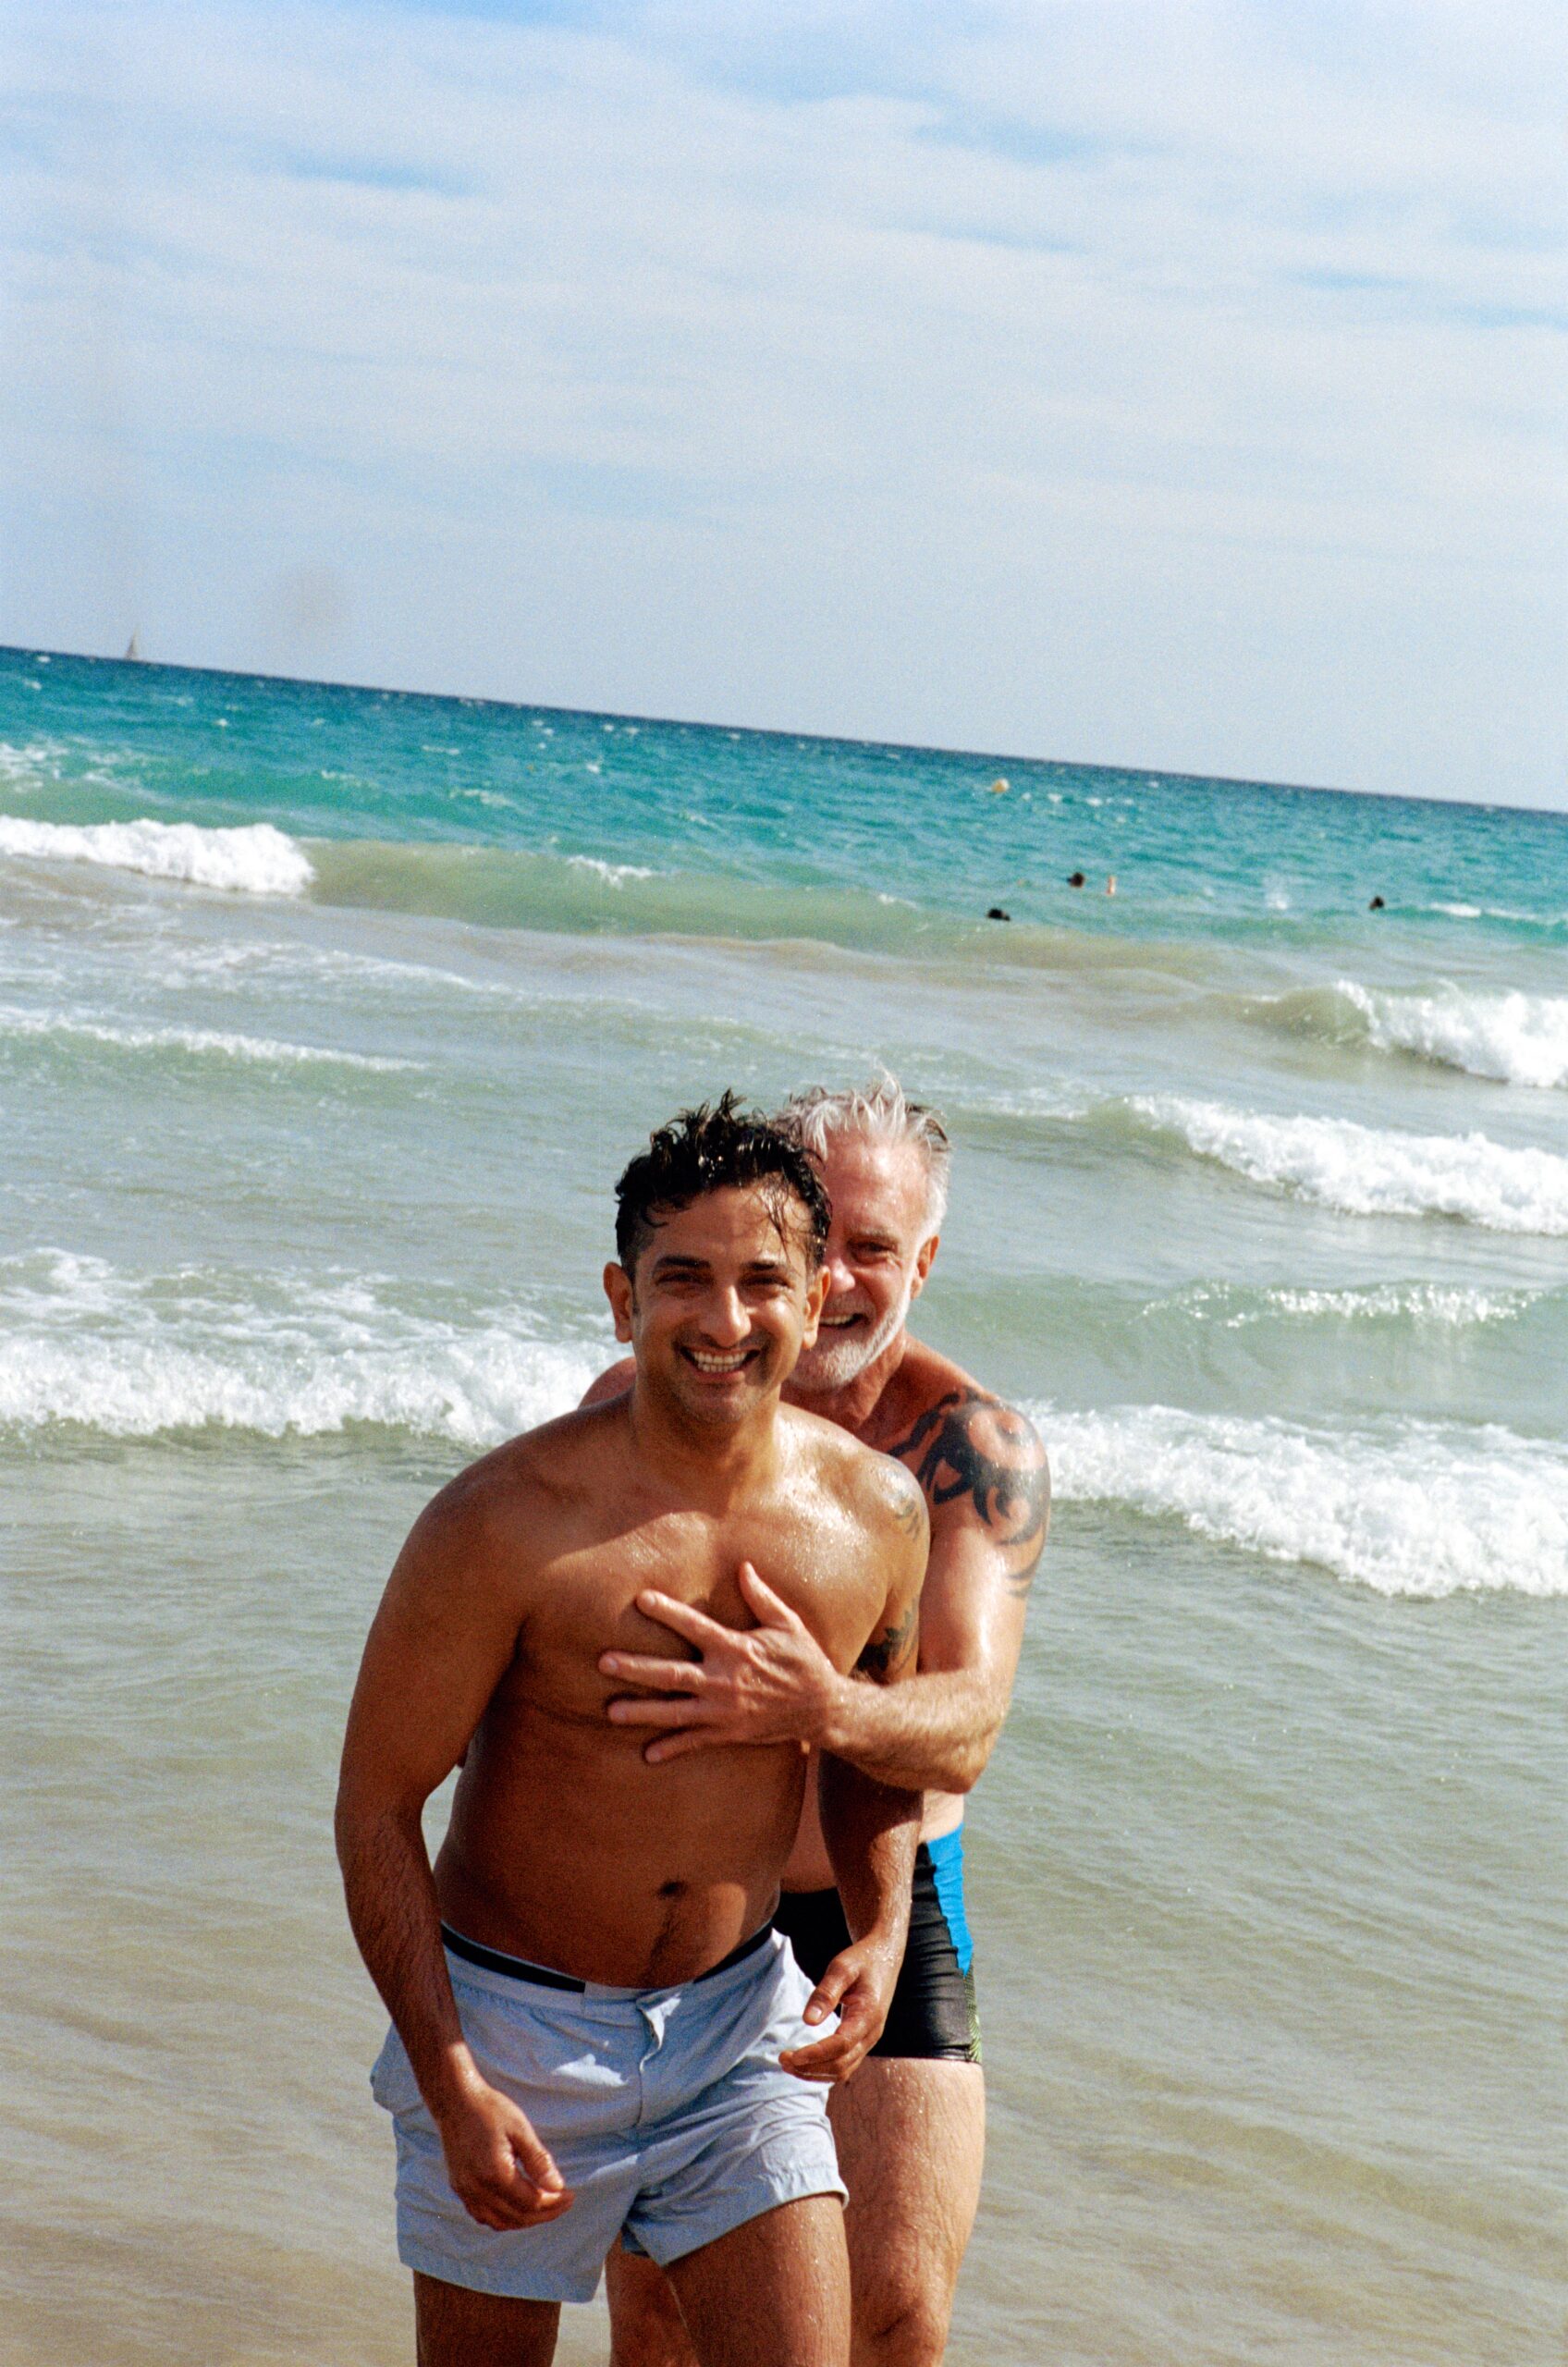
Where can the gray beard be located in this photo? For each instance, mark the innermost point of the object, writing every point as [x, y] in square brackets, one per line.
[826, 1367]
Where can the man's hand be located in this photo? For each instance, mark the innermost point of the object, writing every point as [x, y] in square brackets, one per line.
[500, 2172]
[859, 1984]
[768, 1684]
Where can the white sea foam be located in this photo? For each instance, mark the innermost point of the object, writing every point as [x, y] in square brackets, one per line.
[1518, 1038]
[1420, 1509]
[136, 1356]
[614, 875]
[1440, 1306]
[1364, 1171]
[222, 1042]
[257, 859]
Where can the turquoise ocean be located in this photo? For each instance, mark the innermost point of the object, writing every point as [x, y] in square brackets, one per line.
[327, 1017]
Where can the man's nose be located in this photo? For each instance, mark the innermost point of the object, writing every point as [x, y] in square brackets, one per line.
[840, 1275]
[725, 1319]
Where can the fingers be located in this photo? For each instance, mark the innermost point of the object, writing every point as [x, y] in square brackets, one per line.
[839, 1977]
[518, 2185]
[677, 1746]
[834, 2058]
[635, 1710]
[696, 1626]
[520, 2207]
[664, 1676]
[770, 1608]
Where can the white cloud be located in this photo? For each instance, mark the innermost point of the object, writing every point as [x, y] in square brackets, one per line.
[1172, 383]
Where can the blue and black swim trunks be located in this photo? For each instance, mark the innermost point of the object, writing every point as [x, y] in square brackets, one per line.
[933, 2016]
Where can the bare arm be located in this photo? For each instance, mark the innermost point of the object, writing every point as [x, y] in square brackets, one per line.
[872, 1830]
[438, 1647]
[984, 1472]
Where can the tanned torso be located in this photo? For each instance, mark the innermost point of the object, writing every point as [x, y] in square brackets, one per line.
[565, 1846]
[971, 1455]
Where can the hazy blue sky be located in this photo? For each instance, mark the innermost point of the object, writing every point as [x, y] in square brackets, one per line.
[1176, 384]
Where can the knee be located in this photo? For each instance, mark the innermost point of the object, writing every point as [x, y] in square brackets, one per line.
[901, 2327]
[646, 2326]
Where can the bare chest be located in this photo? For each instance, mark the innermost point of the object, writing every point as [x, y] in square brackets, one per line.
[588, 1601]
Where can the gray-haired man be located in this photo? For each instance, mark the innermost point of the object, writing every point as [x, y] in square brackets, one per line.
[910, 2125]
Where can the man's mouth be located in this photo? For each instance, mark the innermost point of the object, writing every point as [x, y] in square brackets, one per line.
[840, 1322]
[711, 1360]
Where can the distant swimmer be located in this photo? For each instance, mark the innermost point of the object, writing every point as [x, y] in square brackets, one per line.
[1377, 905]
[1076, 880]
[1110, 883]
[995, 912]
[1000, 788]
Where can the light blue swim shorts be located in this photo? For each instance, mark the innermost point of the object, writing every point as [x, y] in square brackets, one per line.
[664, 2110]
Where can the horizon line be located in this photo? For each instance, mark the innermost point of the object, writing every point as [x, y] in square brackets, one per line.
[777, 731]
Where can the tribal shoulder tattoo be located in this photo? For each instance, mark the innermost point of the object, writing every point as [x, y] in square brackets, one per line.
[969, 1444]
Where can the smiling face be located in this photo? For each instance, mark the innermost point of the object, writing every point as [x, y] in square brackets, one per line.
[879, 1251]
[719, 1306]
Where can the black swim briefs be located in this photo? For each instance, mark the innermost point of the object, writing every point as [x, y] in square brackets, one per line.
[933, 2016]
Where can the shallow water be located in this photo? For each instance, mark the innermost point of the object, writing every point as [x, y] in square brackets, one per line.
[1261, 1205]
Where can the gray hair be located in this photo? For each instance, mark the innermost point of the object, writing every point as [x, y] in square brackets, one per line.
[882, 1112]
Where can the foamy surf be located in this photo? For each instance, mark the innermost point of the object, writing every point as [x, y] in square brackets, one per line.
[1365, 1170]
[253, 860]
[141, 1355]
[199, 1042]
[1419, 1509]
[1513, 1038]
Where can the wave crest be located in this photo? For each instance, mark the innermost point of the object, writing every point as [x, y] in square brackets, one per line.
[1364, 1170]
[1512, 1037]
[254, 860]
[137, 1356]
[1421, 1509]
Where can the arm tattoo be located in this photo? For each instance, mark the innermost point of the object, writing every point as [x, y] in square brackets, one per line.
[908, 1509]
[971, 1445]
[887, 1651]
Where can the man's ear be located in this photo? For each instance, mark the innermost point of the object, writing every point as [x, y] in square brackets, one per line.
[618, 1290]
[923, 1261]
[817, 1299]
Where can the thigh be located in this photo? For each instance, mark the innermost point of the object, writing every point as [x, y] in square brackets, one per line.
[646, 2326]
[912, 2146]
[774, 2292]
[459, 2328]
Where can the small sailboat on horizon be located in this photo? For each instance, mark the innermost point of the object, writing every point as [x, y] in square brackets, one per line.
[133, 646]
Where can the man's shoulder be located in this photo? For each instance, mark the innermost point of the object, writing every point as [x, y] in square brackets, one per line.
[525, 1485]
[873, 1489]
[967, 1447]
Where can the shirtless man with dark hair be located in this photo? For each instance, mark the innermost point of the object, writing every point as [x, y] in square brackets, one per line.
[911, 2125]
[597, 2034]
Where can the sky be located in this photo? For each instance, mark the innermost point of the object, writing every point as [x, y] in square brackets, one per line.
[1175, 385]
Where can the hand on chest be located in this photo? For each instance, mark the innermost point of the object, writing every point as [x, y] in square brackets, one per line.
[593, 1604]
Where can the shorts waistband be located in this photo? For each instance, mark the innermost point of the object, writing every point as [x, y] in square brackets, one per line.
[544, 1975]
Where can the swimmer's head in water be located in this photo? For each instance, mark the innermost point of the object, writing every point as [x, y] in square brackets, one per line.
[718, 1149]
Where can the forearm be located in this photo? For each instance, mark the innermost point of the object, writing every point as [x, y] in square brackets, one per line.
[397, 1923]
[872, 1830]
[932, 1733]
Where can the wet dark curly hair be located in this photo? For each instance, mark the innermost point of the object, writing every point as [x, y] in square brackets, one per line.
[712, 1149]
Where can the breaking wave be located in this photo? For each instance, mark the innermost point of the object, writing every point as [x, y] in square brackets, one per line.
[1417, 1508]
[1365, 1170]
[198, 1041]
[135, 1356]
[1515, 1038]
[1409, 1508]
[255, 860]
